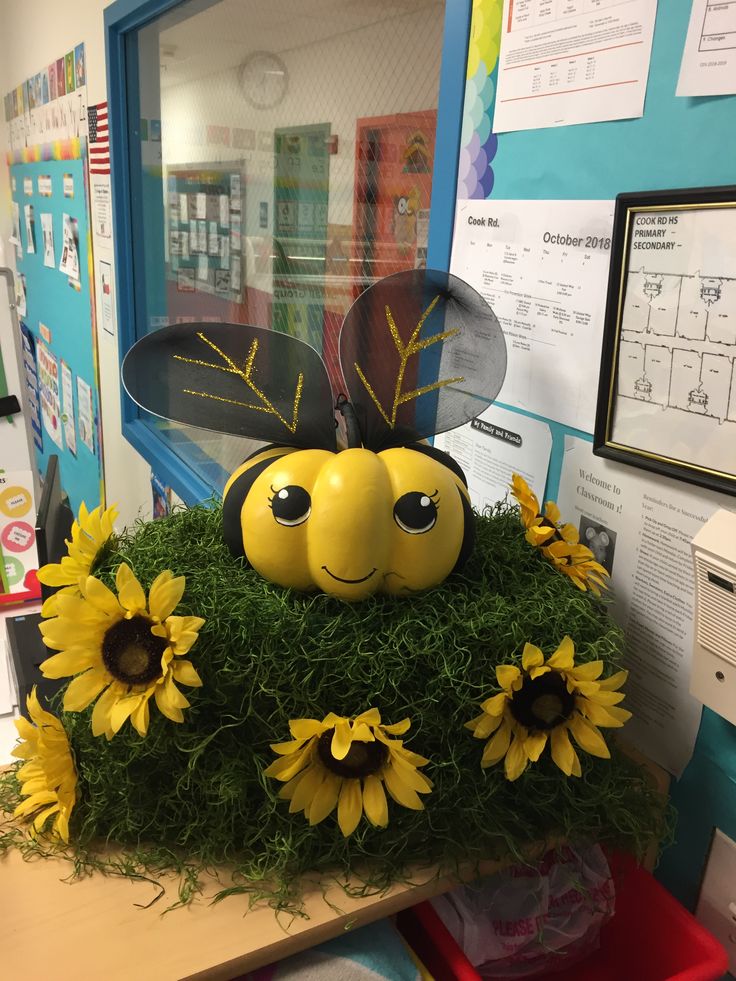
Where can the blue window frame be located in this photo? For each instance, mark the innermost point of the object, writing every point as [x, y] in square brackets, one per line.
[124, 22]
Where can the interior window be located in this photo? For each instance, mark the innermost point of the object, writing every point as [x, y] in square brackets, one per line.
[282, 159]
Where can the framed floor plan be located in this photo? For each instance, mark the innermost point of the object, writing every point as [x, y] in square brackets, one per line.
[667, 395]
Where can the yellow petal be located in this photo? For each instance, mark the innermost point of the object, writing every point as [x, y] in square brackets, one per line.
[569, 533]
[325, 799]
[288, 748]
[399, 790]
[103, 708]
[615, 681]
[305, 791]
[588, 672]
[373, 718]
[534, 744]
[305, 728]
[165, 594]
[130, 592]
[84, 689]
[398, 728]
[182, 632]
[350, 806]
[32, 803]
[611, 717]
[532, 657]
[592, 690]
[484, 725]
[552, 512]
[508, 677]
[496, 748]
[588, 737]
[516, 759]
[363, 733]
[60, 633]
[140, 717]
[286, 767]
[102, 598]
[40, 819]
[123, 709]
[562, 751]
[410, 775]
[374, 802]
[564, 657]
[495, 705]
[539, 534]
[341, 740]
[185, 673]
[69, 662]
[170, 700]
[166, 705]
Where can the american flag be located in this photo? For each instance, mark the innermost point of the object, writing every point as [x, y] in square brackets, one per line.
[99, 139]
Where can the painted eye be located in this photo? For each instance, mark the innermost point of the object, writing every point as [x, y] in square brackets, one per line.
[402, 206]
[291, 505]
[415, 512]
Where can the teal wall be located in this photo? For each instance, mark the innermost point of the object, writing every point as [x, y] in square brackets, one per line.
[677, 143]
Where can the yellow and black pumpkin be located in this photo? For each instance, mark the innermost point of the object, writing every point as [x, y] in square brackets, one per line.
[350, 523]
[420, 352]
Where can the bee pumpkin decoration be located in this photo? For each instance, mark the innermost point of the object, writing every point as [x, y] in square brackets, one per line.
[421, 352]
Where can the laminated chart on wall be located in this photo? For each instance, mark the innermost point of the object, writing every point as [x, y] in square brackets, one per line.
[18, 556]
[57, 327]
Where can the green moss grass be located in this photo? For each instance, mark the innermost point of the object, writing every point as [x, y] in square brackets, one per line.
[193, 795]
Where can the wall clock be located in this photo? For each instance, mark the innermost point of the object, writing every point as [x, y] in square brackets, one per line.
[263, 79]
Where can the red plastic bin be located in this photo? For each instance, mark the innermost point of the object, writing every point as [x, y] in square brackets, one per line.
[651, 937]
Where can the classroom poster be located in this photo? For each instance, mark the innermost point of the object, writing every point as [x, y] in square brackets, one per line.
[86, 414]
[67, 409]
[30, 372]
[48, 384]
[47, 232]
[69, 264]
[30, 229]
[18, 556]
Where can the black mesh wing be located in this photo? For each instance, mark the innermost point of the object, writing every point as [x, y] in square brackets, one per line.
[234, 378]
[422, 352]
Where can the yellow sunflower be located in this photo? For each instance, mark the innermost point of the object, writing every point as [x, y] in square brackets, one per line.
[125, 647]
[89, 533]
[549, 701]
[347, 762]
[48, 778]
[559, 542]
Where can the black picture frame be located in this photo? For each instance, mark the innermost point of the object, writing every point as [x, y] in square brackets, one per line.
[627, 429]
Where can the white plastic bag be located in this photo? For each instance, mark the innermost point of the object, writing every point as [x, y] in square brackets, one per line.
[528, 920]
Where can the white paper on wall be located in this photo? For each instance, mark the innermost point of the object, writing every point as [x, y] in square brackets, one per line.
[543, 267]
[640, 528]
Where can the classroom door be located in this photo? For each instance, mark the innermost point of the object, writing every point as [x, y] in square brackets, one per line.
[393, 187]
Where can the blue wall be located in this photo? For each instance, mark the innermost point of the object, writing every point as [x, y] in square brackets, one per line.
[678, 143]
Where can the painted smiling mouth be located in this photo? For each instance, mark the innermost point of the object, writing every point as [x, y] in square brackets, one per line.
[351, 582]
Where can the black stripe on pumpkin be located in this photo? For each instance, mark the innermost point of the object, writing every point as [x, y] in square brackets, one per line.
[234, 499]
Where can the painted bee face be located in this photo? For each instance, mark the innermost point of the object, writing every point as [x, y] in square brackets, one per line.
[351, 523]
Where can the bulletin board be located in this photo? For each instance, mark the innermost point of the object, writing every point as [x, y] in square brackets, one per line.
[679, 142]
[56, 311]
[204, 231]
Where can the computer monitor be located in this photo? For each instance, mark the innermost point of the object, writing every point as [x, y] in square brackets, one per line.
[54, 520]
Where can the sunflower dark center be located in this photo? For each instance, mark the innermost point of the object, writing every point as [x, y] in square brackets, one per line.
[543, 703]
[362, 760]
[131, 653]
